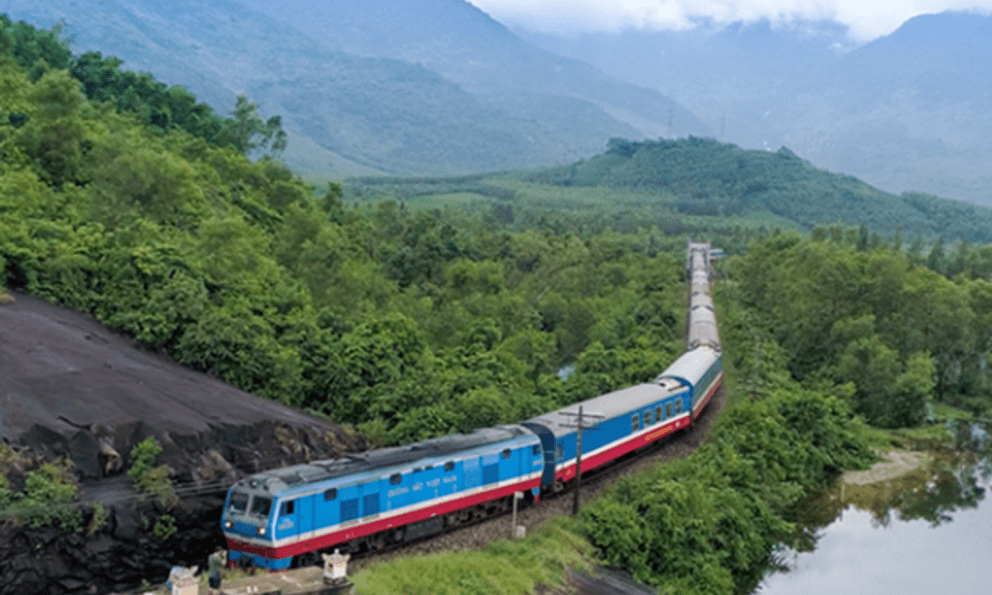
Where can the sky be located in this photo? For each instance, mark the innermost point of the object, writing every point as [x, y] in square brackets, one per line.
[865, 19]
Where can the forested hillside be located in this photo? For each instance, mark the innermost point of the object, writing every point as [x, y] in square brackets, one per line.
[409, 324]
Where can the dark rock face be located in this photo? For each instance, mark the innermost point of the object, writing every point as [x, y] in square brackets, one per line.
[115, 558]
[70, 388]
[125, 551]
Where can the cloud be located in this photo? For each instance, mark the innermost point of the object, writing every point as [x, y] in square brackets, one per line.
[864, 19]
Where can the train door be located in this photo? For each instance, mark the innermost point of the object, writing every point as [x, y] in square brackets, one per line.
[287, 523]
[324, 505]
[548, 446]
[305, 513]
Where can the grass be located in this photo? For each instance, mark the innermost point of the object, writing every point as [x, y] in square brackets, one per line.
[933, 435]
[505, 567]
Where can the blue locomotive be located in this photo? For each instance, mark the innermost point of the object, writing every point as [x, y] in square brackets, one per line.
[384, 496]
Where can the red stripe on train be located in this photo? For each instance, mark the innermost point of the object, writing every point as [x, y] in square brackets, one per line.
[361, 530]
[610, 454]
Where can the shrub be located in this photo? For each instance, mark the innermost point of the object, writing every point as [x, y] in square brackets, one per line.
[151, 480]
[47, 498]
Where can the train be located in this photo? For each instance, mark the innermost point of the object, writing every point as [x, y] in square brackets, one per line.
[366, 501]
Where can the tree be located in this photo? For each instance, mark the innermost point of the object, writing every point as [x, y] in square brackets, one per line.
[247, 131]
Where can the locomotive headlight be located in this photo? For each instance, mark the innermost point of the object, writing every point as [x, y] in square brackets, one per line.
[261, 530]
[228, 524]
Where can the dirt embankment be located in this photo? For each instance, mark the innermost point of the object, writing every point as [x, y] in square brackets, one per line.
[70, 387]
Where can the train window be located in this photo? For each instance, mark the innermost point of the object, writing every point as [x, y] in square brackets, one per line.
[428, 467]
[678, 406]
[449, 465]
[395, 478]
[535, 450]
[634, 420]
[330, 494]
[558, 452]
[287, 508]
[670, 409]
[657, 413]
[261, 506]
[647, 418]
[506, 453]
[239, 502]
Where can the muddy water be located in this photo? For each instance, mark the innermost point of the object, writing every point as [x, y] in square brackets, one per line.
[923, 532]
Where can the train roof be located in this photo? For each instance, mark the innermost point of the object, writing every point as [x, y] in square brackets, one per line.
[353, 463]
[692, 364]
[608, 406]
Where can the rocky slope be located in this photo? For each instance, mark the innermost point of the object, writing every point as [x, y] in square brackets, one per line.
[70, 387]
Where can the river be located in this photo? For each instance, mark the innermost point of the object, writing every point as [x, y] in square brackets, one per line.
[927, 531]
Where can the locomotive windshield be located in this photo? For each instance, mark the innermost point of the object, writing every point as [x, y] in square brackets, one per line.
[239, 502]
[260, 506]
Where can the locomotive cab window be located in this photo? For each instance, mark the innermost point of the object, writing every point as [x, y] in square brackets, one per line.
[395, 478]
[535, 450]
[330, 494]
[449, 465]
[678, 406]
[239, 502]
[287, 508]
[261, 506]
[506, 453]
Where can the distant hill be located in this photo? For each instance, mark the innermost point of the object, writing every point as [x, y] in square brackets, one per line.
[350, 114]
[908, 111]
[711, 178]
[691, 185]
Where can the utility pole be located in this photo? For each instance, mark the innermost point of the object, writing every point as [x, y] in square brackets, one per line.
[578, 465]
[578, 453]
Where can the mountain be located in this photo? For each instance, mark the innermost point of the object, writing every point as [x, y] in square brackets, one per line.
[904, 112]
[345, 113]
[465, 45]
[909, 110]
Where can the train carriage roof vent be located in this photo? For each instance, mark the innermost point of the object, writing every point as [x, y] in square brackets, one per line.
[292, 479]
[669, 384]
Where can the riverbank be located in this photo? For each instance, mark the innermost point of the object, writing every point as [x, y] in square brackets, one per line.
[893, 464]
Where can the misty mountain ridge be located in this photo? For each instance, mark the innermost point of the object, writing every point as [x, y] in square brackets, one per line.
[439, 87]
[366, 113]
[907, 111]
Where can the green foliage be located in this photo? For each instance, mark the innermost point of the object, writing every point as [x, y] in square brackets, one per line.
[901, 334]
[246, 131]
[149, 479]
[165, 527]
[504, 567]
[6, 496]
[99, 518]
[47, 497]
[708, 523]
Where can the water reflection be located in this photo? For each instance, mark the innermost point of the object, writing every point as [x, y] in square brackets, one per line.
[919, 533]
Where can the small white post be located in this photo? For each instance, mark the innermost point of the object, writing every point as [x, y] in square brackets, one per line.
[513, 526]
